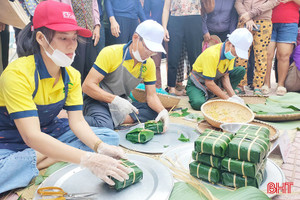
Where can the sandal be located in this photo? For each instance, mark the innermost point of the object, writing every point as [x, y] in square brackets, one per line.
[265, 89]
[239, 91]
[257, 92]
[280, 91]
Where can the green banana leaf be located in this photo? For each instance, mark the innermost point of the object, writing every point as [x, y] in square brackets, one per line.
[254, 130]
[134, 176]
[139, 135]
[50, 170]
[290, 99]
[183, 190]
[270, 109]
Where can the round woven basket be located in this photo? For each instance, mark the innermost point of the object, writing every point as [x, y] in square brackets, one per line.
[167, 101]
[250, 99]
[218, 112]
[274, 132]
[278, 118]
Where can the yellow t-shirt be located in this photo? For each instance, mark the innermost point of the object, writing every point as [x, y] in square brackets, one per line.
[17, 85]
[213, 60]
[110, 58]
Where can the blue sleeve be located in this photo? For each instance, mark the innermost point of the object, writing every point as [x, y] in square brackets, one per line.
[141, 13]
[147, 8]
[108, 8]
[204, 26]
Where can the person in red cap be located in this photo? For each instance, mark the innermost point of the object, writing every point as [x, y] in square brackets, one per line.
[34, 89]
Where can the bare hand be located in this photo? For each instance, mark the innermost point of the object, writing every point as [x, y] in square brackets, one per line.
[206, 37]
[96, 34]
[245, 17]
[2, 27]
[115, 28]
[250, 24]
[166, 37]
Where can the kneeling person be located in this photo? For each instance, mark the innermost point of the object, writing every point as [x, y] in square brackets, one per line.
[214, 69]
[118, 69]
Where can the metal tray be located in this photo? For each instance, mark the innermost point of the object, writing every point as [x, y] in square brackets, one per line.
[183, 155]
[160, 142]
[157, 182]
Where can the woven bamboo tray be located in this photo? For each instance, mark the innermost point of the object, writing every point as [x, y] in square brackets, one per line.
[167, 101]
[274, 132]
[217, 112]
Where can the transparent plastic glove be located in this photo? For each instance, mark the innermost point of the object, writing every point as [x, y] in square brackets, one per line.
[163, 116]
[112, 151]
[124, 106]
[236, 99]
[104, 167]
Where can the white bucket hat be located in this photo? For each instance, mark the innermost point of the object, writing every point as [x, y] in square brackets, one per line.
[242, 39]
[152, 34]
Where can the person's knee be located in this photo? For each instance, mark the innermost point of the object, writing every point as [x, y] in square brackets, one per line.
[108, 136]
[241, 71]
[196, 104]
[99, 122]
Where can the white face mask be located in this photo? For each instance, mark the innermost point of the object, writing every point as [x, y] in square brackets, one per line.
[58, 57]
[136, 53]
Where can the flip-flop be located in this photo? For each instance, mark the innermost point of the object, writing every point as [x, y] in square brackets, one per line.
[280, 91]
[265, 89]
[257, 92]
[239, 91]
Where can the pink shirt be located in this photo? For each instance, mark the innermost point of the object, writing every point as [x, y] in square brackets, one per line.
[95, 9]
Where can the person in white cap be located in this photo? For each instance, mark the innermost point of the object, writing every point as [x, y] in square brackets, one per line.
[214, 69]
[118, 69]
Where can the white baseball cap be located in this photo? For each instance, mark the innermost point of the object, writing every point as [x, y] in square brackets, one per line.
[242, 39]
[152, 34]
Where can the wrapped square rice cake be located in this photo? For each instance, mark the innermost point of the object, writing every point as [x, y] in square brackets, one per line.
[204, 172]
[207, 159]
[139, 135]
[213, 142]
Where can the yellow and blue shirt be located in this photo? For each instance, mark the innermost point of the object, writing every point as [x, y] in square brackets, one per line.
[17, 85]
[110, 58]
[212, 60]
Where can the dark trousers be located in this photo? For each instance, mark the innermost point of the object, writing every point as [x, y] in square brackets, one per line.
[97, 113]
[251, 66]
[5, 46]
[183, 29]
[221, 35]
[86, 54]
[127, 28]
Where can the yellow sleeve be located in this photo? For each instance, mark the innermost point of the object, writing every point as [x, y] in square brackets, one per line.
[74, 99]
[108, 60]
[149, 72]
[17, 90]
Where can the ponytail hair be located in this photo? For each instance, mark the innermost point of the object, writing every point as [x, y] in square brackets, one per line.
[27, 44]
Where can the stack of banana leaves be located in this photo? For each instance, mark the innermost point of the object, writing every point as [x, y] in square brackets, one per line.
[135, 176]
[139, 135]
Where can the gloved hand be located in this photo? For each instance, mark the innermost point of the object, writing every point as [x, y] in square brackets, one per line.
[112, 151]
[104, 166]
[236, 99]
[164, 116]
[124, 106]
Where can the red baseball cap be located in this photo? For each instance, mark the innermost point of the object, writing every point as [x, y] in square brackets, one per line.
[58, 17]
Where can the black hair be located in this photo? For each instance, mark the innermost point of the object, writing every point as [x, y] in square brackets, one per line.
[27, 44]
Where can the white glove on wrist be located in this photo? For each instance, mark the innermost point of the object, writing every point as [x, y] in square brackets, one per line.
[124, 106]
[236, 99]
[163, 116]
[104, 167]
[112, 151]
